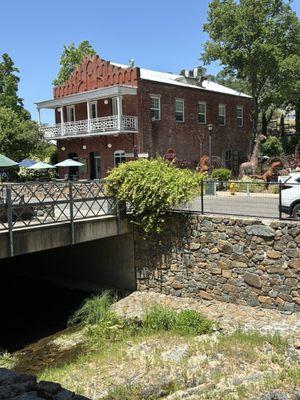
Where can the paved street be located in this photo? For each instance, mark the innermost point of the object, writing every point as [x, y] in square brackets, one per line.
[257, 205]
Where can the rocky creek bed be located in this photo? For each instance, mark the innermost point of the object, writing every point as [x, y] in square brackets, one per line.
[243, 358]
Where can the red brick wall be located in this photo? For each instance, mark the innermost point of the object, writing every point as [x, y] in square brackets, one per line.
[95, 73]
[99, 144]
[159, 136]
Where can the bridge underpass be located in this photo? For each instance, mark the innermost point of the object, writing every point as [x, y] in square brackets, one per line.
[41, 290]
[59, 243]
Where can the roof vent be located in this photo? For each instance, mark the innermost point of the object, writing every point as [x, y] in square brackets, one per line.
[193, 76]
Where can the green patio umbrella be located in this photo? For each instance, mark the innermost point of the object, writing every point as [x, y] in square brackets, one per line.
[69, 163]
[6, 162]
[41, 165]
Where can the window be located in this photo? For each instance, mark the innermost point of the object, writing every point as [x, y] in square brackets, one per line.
[119, 157]
[202, 112]
[70, 113]
[155, 108]
[239, 116]
[222, 114]
[114, 105]
[93, 110]
[179, 110]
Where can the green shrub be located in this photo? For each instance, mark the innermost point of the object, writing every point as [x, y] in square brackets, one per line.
[186, 322]
[190, 322]
[94, 310]
[152, 188]
[221, 174]
[160, 318]
[272, 147]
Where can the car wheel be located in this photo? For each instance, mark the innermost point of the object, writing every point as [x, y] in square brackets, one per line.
[296, 212]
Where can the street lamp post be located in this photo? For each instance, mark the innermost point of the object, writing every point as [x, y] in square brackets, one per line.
[210, 129]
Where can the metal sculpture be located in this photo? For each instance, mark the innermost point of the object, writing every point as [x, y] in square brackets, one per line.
[252, 164]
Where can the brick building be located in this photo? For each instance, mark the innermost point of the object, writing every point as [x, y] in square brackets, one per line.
[107, 113]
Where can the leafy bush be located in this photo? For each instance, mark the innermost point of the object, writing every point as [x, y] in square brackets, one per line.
[160, 318]
[272, 147]
[151, 188]
[94, 310]
[221, 174]
[190, 322]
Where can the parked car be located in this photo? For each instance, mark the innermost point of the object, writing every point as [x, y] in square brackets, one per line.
[290, 195]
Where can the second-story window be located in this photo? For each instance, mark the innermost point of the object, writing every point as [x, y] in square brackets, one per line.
[70, 113]
[179, 110]
[202, 112]
[239, 116]
[93, 109]
[222, 114]
[155, 108]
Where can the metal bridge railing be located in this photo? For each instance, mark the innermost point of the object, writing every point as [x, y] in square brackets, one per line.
[44, 203]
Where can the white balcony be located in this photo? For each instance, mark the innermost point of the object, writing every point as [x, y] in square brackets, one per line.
[91, 127]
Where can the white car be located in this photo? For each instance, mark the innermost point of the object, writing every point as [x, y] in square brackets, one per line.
[290, 195]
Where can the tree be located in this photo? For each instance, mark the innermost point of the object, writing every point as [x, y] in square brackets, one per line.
[71, 57]
[251, 39]
[19, 138]
[9, 86]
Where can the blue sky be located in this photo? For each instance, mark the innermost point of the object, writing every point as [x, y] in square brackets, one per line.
[159, 34]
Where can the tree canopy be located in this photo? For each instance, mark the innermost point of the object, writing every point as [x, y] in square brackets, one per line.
[254, 40]
[70, 58]
[9, 86]
[19, 138]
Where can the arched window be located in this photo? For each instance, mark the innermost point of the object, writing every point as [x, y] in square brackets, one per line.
[119, 157]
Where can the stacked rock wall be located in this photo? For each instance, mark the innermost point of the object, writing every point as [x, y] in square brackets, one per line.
[244, 261]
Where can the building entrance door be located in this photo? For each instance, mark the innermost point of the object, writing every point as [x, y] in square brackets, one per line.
[73, 171]
[95, 165]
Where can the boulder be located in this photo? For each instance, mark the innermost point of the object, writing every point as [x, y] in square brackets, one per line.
[252, 280]
[260, 230]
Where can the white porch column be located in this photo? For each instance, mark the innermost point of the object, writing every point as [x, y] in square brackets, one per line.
[39, 116]
[62, 122]
[120, 112]
[88, 109]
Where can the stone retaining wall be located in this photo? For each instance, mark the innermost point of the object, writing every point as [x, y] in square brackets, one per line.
[244, 261]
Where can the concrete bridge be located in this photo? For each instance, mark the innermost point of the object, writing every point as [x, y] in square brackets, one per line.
[41, 216]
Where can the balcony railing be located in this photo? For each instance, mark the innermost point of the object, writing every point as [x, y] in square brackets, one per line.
[92, 126]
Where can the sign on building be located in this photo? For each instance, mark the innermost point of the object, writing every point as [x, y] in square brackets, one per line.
[170, 155]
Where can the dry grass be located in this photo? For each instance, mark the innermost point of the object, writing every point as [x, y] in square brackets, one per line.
[237, 366]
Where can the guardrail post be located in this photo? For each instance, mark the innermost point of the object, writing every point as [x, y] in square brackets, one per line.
[72, 230]
[202, 197]
[118, 217]
[280, 200]
[248, 188]
[10, 221]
